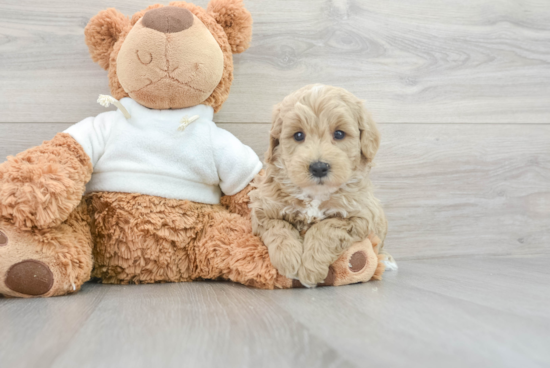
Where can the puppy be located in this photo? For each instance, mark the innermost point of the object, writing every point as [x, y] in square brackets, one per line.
[315, 199]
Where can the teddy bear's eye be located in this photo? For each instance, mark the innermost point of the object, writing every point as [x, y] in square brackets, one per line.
[144, 57]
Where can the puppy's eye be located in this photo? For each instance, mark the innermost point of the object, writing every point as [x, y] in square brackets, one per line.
[339, 135]
[300, 136]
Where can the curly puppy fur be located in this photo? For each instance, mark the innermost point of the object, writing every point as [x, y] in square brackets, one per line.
[308, 222]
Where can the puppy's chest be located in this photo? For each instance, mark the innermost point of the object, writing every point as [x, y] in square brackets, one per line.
[309, 213]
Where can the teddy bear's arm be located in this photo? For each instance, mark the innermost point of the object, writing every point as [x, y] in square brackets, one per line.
[41, 186]
[236, 163]
[238, 203]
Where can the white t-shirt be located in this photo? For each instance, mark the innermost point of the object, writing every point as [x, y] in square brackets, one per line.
[147, 154]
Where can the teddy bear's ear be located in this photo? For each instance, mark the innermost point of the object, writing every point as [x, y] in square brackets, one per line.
[235, 20]
[102, 32]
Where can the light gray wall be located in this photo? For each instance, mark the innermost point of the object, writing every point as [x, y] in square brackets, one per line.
[461, 91]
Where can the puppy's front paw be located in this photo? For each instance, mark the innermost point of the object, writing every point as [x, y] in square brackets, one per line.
[286, 262]
[311, 276]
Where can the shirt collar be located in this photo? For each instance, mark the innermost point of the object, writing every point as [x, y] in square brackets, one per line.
[139, 111]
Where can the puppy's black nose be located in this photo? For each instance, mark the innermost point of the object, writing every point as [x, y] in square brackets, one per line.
[319, 169]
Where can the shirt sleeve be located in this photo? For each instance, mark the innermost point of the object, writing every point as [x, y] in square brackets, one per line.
[236, 163]
[92, 133]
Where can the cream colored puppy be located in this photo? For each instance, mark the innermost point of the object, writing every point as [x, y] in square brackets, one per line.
[316, 198]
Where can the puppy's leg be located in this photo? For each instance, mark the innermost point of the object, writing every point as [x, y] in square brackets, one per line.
[385, 257]
[284, 245]
[324, 242]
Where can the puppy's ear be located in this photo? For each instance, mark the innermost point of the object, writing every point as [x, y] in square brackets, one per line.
[274, 134]
[102, 32]
[235, 20]
[370, 135]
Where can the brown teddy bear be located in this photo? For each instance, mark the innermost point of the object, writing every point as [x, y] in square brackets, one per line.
[153, 172]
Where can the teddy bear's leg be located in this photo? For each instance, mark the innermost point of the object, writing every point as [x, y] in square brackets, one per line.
[141, 239]
[229, 250]
[46, 262]
[359, 263]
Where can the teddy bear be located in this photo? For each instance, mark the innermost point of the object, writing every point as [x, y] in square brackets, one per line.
[154, 191]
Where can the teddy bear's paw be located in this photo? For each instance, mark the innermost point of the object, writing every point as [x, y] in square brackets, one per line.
[26, 268]
[359, 263]
[30, 278]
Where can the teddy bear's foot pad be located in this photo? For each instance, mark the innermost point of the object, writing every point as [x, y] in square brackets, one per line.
[29, 277]
[28, 266]
[357, 264]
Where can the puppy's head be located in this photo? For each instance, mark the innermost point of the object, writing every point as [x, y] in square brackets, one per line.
[321, 136]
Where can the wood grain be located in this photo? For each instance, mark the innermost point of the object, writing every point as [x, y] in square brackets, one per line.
[430, 314]
[431, 61]
[448, 189]
[201, 324]
[462, 92]
[34, 332]
[465, 189]
[456, 312]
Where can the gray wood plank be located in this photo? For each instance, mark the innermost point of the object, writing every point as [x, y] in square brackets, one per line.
[453, 190]
[194, 325]
[431, 313]
[436, 61]
[448, 189]
[517, 285]
[412, 319]
[33, 332]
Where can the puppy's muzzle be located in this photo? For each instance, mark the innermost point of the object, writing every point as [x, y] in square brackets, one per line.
[319, 169]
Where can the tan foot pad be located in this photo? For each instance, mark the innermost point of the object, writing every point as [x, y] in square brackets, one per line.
[30, 277]
[358, 261]
[3, 239]
[357, 264]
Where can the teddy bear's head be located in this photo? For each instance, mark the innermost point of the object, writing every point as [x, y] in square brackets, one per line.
[171, 57]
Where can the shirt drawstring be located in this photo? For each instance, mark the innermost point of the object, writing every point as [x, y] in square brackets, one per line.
[106, 100]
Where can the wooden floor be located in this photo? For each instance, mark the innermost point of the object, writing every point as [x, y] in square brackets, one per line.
[454, 312]
[461, 92]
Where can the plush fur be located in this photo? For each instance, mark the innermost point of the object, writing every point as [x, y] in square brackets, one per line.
[145, 239]
[107, 31]
[39, 188]
[66, 249]
[50, 236]
[307, 222]
[188, 63]
[235, 21]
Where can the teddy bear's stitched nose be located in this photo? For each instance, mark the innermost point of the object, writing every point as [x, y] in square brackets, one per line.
[168, 19]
